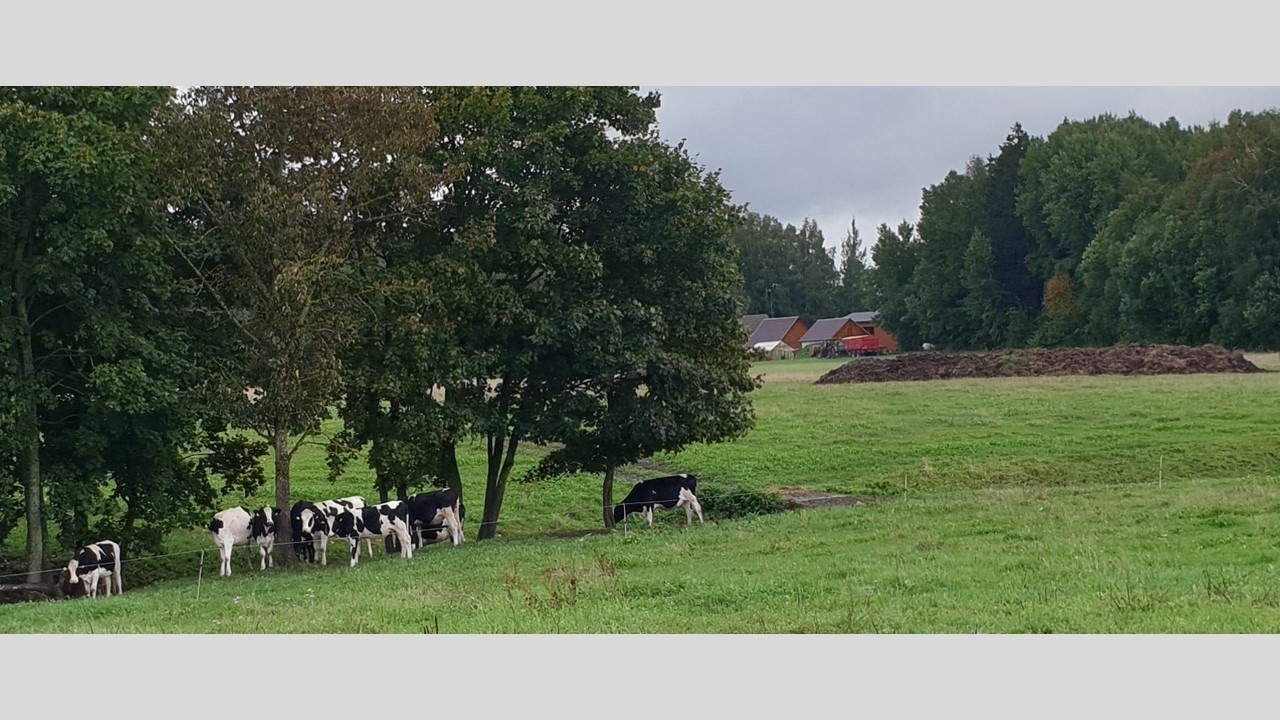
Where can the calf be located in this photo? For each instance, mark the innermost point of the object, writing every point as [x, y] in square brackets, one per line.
[434, 513]
[333, 508]
[310, 528]
[235, 526]
[92, 564]
[376, 521]
[672, 491]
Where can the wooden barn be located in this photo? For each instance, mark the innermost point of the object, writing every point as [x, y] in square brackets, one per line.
[830, 329]
[787, 329]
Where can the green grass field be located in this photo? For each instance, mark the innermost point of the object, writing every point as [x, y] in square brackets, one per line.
[1061, 505]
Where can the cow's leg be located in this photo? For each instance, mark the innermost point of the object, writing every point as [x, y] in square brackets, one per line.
[455, 528]
[648, 514]
[324, 549]
[368, 545]
[693, 503]
[355, 550]
[406, 542]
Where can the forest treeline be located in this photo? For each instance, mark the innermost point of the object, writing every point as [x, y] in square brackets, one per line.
[1109, 230]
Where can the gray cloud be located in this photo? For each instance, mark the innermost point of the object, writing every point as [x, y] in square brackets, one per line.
[835, 153]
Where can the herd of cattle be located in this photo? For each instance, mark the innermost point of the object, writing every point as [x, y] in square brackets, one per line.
[424, 518]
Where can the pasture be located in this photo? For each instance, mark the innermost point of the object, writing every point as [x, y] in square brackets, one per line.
[1061, 505]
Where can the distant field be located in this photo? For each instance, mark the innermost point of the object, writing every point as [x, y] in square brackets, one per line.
[1071, 504]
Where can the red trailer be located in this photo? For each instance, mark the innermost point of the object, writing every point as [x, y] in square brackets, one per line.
[862, 345]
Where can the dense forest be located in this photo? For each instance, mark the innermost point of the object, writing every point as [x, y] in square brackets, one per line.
[1110, 230]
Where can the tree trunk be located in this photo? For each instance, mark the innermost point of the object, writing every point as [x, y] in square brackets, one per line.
[389, 544]
[35, 510]
[284, 531]
[496, 482]
[28, 421]
[606, 496]
[449, 466]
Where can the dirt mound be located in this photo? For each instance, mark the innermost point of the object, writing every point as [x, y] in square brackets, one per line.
[1116, 360]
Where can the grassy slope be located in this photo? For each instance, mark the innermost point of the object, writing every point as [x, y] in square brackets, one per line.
[1195, 556]
[1011, 525]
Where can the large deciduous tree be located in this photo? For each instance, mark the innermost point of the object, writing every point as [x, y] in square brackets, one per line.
[97, 421]
[657, 361]
[282, 193]
[565, 224]
[521, 203]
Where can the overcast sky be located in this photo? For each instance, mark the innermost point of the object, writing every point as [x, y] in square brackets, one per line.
[835, 153]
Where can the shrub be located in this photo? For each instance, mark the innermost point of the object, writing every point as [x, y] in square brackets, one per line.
[725, 503]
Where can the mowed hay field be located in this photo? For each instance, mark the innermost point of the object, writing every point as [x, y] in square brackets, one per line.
[1020, 505]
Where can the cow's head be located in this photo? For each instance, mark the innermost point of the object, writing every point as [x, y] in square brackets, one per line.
[310, 523]
[70, 585]
[344, 524]
[263, 522]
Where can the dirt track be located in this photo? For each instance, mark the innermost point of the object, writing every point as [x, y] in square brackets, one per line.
[1117, 360]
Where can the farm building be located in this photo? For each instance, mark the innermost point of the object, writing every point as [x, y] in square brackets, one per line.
[787, 329]
[774, 350]
[869, 321]
[751, 322]
[830, 329]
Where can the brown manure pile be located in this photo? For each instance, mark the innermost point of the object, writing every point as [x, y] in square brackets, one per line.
[1116, 360]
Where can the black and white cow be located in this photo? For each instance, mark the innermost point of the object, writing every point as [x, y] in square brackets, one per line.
[389, 519]
[434, 514]
[310, 529]
[672, 491]
[333, 508]
[262, 528]
[235, 526]
[90, 565]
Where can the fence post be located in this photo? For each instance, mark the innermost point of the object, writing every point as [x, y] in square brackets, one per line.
[200, 575]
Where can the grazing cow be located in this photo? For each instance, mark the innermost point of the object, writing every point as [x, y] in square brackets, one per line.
[92, 564]
[333, 508]
[375, 521]
[310, 528]
[235, 526]
[672, 491]
[431, 514]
